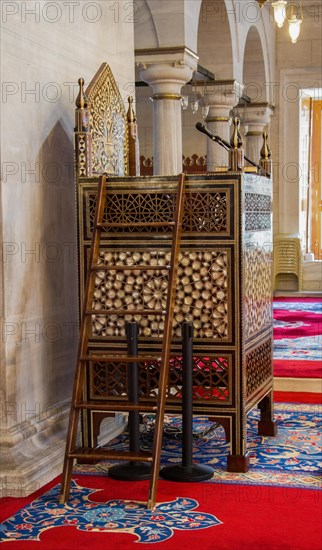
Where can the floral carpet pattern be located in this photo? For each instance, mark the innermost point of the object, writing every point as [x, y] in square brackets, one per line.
[112, 516]
[293, 458]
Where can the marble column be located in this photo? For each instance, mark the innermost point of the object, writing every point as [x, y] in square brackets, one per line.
[221, 98]
[167, 71]
[257, 118]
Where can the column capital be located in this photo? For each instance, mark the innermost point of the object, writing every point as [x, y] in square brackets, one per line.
[166, 70]
[257, 116]
[176, 56]
[222, 95]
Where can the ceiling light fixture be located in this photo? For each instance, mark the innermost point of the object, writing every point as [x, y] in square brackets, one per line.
[294, 24]
[294, 21]
[279, 12]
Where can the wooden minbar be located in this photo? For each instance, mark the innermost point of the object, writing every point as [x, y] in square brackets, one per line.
[223, 286]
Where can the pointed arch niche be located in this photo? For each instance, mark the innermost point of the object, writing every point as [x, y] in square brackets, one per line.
[215, 47]
[254, 74]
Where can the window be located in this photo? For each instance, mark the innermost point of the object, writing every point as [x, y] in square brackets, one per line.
[311, 171]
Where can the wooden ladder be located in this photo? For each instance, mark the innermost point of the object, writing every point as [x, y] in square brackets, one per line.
[83, 357]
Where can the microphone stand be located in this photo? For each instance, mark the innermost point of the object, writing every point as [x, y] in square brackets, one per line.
[226, 145]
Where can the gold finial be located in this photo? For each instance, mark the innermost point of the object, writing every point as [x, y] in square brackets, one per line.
[236, 153]
[81, 100]
[130, 113]
[265, 150]
[236, 141]
[265, 160]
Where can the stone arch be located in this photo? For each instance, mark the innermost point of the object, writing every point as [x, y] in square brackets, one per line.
[166, 24]
[145, 33]
[255, 70]
[216, 49]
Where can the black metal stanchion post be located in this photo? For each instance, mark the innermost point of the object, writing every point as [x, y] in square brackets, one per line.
[132, 471]
[187, 471]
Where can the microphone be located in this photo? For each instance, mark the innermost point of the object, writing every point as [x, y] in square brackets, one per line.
[202, 128]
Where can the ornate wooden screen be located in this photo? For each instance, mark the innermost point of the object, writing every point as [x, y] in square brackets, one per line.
[224, 288]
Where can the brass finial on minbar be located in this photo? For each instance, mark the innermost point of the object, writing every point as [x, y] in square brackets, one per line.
[236, 153]
[81, 100]
[134, 151]
[130, 113]
[83, 136]
[265, 155]
[82, 111]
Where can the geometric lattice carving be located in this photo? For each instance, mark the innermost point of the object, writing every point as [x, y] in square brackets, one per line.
[108, 380]
[257, 212]
[206, 212]
[258, 289]
[203, 212]
[108, 124]
[257, 202]
[211, 379]
[258, 367]
[83, 152]
[201, 297]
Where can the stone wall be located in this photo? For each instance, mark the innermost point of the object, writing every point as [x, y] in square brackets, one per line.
[46, 47]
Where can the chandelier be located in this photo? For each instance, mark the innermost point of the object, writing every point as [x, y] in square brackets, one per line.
[294, 16]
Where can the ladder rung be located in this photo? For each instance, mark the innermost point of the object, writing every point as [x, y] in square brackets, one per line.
[138, 224]
[104, 267]
[121, 358]
[103, 454]
[115, 406]
[125, 312]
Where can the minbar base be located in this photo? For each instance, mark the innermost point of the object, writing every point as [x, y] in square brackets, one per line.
[267, 427]
[238, 463]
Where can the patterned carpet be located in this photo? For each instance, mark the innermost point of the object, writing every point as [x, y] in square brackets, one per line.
[291, 459]
[297, 337]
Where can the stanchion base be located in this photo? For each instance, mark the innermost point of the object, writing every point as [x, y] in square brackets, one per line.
[130, 471]
[195, 472]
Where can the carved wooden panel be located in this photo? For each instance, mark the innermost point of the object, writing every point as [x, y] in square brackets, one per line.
[258, 212]
[258, 288]
[203, 293]
[204, 212]
[258, 367]
[212, 379]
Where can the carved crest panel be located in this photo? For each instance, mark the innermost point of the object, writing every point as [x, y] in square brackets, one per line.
[108, 125]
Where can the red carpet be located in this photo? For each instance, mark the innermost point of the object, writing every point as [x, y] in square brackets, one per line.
[253, 518]
[297, 369]
[297, 397]
[297, 337]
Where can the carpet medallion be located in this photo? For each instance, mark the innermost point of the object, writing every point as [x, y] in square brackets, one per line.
[122, 516]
